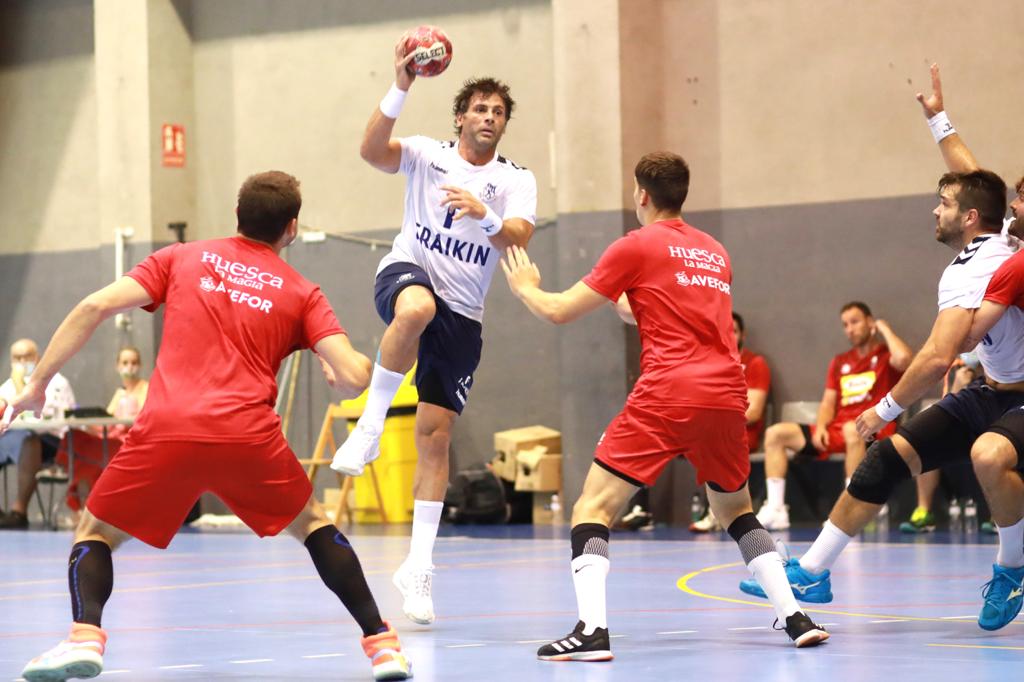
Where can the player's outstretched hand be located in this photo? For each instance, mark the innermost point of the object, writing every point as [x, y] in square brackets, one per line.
[464, 202]
[31, 399]
[869, 423]
[403, 74]
[933, 103]
[520, 272]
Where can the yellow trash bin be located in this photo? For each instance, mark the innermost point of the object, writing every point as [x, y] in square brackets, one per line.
[396, 466]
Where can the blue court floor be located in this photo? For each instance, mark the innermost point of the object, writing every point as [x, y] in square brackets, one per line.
[219, 606]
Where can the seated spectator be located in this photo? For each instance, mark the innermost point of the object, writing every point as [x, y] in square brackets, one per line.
[856, 379]
[759, 379]
[30, 449]
[89, 452]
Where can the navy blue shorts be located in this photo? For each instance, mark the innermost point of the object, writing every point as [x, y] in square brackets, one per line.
[945, 432]
[449, 348]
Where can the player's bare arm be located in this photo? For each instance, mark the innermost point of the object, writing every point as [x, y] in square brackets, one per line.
[955, 153]
[71, 335]
[900, 354]
[524, 281]
[514, 231]
[826, 413]
[347, 370]
[379, 149]
[625, 312]
[931, 363]
[757, 398]
[985, 318]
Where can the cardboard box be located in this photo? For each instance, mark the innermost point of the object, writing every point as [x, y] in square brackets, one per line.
[509, 443]
[544, 512]
[538, 470]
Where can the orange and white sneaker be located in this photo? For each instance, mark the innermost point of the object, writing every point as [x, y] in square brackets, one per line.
[80, 656]
[385, 652]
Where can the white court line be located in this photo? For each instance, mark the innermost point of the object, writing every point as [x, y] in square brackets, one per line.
[758, 627]
[890, 620]
[253, 660]
[324, 655]
[617, 636]
[973, 615]
[676, 632]
[181, 667]
[462, 646]
[114, 672]
[533, 641]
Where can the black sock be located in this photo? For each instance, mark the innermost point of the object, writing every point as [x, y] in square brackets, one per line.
[90, 579]
[339, 568]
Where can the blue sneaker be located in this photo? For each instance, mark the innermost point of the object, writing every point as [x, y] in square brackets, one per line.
[1003, 597]
[814, 588]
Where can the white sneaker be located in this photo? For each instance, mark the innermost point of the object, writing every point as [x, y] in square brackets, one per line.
[414, 584]
[773, 518]
[78, 656]
[707, 524]
[360, 448]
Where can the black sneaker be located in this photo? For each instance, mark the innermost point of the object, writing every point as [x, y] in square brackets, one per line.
[577, 646]
[803, 631]
[14, 520]
[638, 519]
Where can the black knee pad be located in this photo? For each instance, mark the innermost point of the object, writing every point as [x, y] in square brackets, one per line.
[878, 475]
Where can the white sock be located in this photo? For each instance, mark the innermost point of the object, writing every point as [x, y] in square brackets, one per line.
[776, 492]
[769, 571]
[383, 386]
[827, 547]
[426, 517]
[589, 576]
[1011, 546]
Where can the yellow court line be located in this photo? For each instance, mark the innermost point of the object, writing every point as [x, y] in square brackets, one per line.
[684, 585]
[979, 646]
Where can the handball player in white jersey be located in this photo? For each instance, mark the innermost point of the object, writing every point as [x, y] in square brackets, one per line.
[983, 421]
[464, 205]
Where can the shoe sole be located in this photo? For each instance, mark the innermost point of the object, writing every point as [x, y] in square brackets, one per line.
[810, 638]
[82, 670]
[391, 671]
[581, 657]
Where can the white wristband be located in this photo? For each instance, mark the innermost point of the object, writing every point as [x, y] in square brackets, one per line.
[940, 126]
[887, 408]
[491, 224]
[391, 105]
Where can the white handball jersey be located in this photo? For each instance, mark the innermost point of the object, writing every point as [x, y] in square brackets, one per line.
[457, 255]
[963, 285]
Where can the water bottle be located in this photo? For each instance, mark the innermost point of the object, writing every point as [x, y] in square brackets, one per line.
[696, 508]
[970, 517]
[956, 522]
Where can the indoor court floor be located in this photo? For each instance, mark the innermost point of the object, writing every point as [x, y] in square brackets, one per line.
[229, 606]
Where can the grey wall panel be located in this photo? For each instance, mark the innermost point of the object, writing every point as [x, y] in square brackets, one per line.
[795, 266]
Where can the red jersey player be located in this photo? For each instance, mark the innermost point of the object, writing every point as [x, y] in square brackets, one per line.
[233, 310]
[690, 398]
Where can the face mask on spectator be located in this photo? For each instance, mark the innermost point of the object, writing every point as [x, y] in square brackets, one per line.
[129, 373]
[26, 367]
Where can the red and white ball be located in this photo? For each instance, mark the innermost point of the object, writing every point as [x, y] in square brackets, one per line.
[432, 49]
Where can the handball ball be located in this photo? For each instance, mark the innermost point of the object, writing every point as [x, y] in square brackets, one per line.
[432, 48]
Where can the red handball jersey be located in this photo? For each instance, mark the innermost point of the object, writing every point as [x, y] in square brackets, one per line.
[1007, 284]
[860, 381]
[757, 374]
[233, 311]
[677, 280]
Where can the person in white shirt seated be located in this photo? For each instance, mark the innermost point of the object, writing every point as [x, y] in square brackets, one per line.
[30, 449]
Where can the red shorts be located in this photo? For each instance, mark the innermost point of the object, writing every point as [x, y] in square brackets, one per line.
[639, 443]
[148, 489]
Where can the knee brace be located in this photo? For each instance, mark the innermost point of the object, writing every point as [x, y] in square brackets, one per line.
[878, 475]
